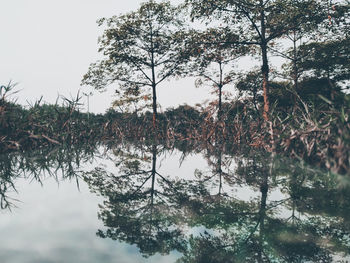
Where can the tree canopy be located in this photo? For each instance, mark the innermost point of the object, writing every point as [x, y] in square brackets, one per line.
[141, 49]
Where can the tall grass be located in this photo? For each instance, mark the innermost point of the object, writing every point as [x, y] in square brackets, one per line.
[317, 134]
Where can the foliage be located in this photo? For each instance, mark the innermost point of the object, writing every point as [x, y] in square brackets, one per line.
[321, 134]
[224, 226]
[327, 60]
[308, 115]
[212, 61]
[42, 125]
[57, 162]
[253, 23]
[142, 49]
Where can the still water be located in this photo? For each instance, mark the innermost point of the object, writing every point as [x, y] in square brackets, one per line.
[158, 203]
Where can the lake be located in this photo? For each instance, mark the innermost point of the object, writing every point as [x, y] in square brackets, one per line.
[137, 202]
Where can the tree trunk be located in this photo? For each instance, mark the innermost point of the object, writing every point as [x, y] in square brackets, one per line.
[154, 85]
[219, 170]
[153, 174]
[220, 104]
[265, 74]
[295, 71]
[220, 92]
[295, 66]
[265, 64]
[154, 106]
[264, 187]
[153, 171]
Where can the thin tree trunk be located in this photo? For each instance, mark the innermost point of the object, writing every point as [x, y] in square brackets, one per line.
[154, 85]
[220, 104]
[153, 172]
[154, 106]
[220, 172]
[295, 71]
[295, 66]
[264, 187]
[266, 90]
[265, 64]
[220, 93]
[265, 72]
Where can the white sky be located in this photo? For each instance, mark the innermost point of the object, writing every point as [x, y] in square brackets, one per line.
[47, 46]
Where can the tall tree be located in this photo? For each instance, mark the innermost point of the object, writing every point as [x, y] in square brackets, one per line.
[311, 22]
[213, 64]
[305, 17]
[141, 49]
[139, 206]
[258, 23]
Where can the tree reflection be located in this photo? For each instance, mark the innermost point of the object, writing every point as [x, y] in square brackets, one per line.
[294, 213]
[264, 233]
[40, 164]
[139, 207]
[219, 173]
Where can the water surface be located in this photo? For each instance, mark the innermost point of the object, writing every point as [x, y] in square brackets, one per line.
[158, 203]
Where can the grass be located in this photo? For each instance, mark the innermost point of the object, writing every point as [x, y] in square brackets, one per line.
[317, 132]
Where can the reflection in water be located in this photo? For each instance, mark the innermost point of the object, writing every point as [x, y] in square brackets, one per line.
[139, 207]
[248, 207]
[37, 165]
[298, 214]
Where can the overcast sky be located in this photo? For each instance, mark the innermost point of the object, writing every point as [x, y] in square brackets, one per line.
[48, 45]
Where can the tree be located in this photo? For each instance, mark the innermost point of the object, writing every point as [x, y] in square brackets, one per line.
[256, 23]
[314, 23]
[250, 84]
[304, 22]
[139, 204]
[328, 61]
[141, 49]
[267, 209]
[255, 230]
[212, 64]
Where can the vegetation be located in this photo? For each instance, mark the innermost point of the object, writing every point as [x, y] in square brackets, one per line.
[204, 218]
[201, 213]
[301, 109]
[251, 202]
[142, 49]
